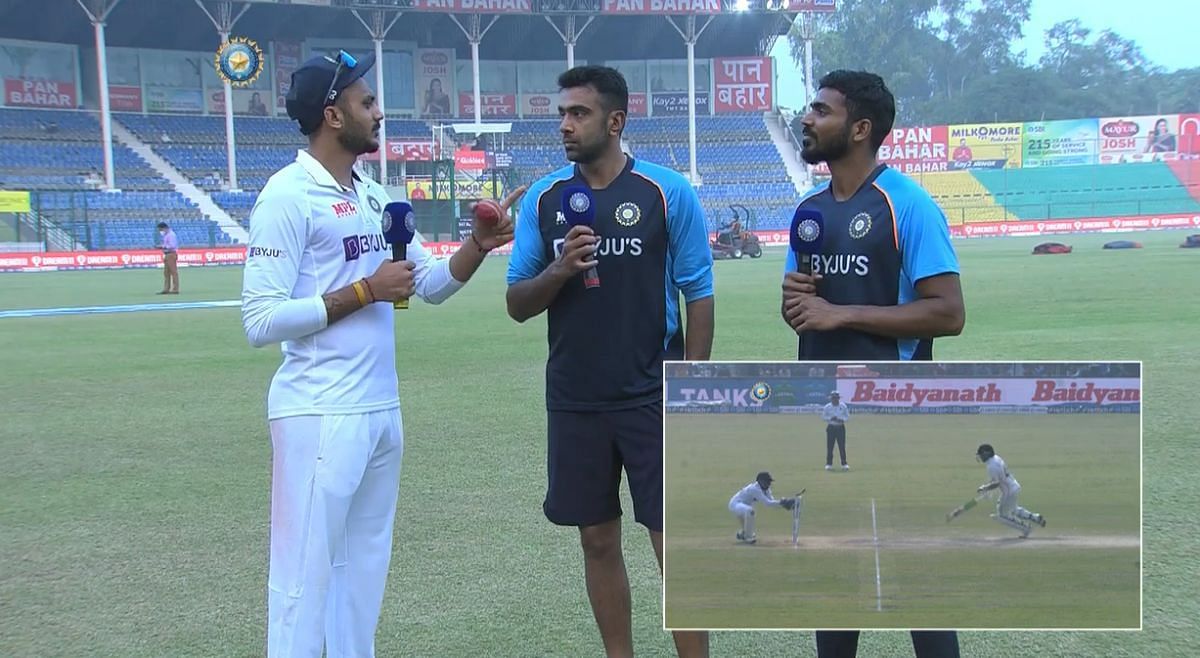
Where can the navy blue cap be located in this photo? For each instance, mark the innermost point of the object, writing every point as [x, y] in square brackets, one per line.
[306, 98]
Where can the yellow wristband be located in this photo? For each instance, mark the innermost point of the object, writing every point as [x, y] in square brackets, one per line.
[360, 293]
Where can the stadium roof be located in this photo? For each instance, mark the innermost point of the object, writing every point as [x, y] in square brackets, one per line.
[180, 24]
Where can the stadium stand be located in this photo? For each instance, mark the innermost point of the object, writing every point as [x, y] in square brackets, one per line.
[1089, 191]
[964, 199]
[734, 156]
[1188, 173]
[57, 156]
[195, 145]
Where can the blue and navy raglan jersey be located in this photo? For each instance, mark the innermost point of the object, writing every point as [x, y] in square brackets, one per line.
[607, 344]
[877, 245]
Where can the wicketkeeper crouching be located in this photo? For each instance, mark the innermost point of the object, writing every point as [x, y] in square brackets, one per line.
[742, 504]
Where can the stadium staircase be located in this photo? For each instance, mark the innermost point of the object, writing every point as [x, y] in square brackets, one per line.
[781, 137]
[207, 205]
[963, 198]
[56, 238]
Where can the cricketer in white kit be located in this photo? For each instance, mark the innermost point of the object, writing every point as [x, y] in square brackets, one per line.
[742, 504]
[319, 279]
[1007, 510]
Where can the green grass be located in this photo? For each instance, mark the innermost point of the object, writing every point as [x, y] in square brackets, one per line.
[970, 574]
[135, 465]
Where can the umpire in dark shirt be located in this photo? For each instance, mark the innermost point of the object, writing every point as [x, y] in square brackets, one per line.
[649, 244]
[886, 281]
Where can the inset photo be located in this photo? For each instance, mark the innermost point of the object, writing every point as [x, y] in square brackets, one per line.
[903, 495]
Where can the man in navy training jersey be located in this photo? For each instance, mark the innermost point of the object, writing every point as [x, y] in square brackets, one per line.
[886, 281]
[648, 243]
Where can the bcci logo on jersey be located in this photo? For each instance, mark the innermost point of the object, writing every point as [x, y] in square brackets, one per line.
[357, 245]
[628, 214]
[860, 225]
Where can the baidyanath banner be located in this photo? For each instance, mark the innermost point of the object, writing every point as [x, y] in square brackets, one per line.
[988, 392]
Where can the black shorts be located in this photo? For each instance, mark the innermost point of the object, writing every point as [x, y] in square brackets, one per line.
[584, 457]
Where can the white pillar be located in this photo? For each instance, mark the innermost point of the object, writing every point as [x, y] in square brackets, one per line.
[570, 54]
[383, 147]
[810, 87]
[230, 149]
[105, 114]
[691, 64]
[475, 75]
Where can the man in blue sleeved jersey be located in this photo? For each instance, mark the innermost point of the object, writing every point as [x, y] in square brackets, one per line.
[886, 281]
[648, 244]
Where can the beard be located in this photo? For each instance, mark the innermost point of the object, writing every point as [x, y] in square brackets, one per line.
[834, 150]
[359, 141]
[586, 152]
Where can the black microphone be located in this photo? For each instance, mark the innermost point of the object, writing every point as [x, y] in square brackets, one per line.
[579, 207]
[807, 234]
[399, 227]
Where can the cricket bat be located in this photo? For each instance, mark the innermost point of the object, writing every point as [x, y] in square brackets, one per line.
[964, 507]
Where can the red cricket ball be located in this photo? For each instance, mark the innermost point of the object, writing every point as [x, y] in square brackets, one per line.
[488, 212]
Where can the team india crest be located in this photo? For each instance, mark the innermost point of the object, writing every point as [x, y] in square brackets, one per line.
[860, 225]
[628, 214]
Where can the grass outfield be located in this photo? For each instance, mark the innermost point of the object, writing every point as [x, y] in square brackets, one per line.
[973, 573]
[136, 461]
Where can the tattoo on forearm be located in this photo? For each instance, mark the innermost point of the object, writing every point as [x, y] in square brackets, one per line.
[339, 304]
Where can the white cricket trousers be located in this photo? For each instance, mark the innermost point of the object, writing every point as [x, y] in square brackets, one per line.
[745, 514]
[740, 510]
[334, 485]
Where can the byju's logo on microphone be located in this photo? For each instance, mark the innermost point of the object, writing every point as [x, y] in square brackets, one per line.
[357, 245]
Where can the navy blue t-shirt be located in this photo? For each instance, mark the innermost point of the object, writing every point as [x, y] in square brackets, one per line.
[877, 245]
[607, 344]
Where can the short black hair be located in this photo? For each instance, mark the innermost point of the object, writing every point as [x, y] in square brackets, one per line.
[867, 97]
[607, 81]
[163, 225]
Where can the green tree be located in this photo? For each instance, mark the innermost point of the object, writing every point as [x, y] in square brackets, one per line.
[953, 61]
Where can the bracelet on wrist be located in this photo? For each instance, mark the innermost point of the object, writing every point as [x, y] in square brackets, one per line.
[359, 293]
[477, 244]
[370, 293]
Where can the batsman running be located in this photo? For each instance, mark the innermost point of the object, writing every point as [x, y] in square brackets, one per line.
[742, 504]
[1007, 510]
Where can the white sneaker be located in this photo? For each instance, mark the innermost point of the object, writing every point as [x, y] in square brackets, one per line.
[828, 467]
[1028, 529]
[845, 467]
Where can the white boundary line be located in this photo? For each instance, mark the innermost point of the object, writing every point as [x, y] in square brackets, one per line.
[875, 536]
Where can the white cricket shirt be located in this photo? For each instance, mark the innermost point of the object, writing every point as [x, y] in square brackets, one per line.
[835, 415]
[752, 493]
[310, 236]
[998, 472]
